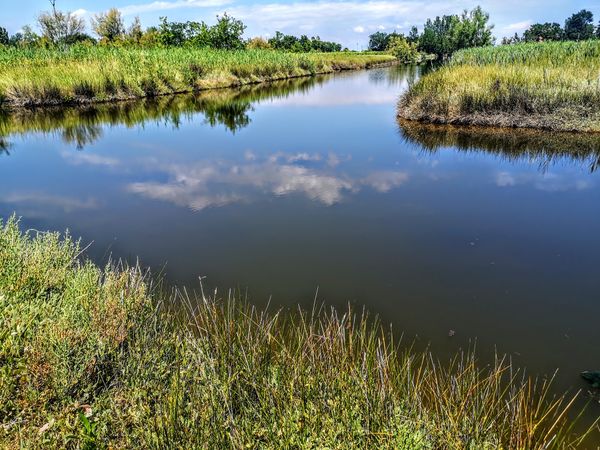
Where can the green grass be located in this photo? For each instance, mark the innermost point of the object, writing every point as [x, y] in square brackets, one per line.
[553, 85]
[95, 73]
[97, 358]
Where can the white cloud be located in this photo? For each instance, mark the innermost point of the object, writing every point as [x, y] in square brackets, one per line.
[80, 12]
[42, 200]
[168, 5]
[89, 158]
[219, 183]
[547, 182]
[359, 29]
[517, 27]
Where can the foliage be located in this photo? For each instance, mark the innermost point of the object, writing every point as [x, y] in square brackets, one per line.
[543, 32]
[405, 51]
[4, 39]
[258, 43]
[445, 35]
[60, 27]
[109, 25]
[378, 41]
[83, 73]
[580, 26]
[552, 85]
[291, 43]
[98, 359]
[135, 31]
[225, 34]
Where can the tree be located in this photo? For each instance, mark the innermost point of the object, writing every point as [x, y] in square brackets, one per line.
[405, 51]
[447, 34]
[511, 40]
[258, 43]
[109, 25]
[135, 32]
[543, 32]
[227, 33]
[4, 40]
[580, 26]
[413, 36]
[378, 41]
[474, 29]
[60, 27]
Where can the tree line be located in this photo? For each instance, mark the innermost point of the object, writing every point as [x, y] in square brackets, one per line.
[441, 36]
[578, 27]
[60, 28]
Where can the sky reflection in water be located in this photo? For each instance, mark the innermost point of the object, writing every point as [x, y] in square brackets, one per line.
[312, 183]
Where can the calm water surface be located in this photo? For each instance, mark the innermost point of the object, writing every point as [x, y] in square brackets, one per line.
[312, 184]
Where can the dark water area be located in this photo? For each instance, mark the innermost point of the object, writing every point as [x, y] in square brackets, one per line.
[313, 184]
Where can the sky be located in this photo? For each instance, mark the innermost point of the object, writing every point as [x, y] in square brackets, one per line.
[347, 21]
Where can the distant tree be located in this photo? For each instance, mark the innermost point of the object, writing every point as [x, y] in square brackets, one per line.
[439, 35]
[258, 43]
[413, 36]
[150, 38]
[544, 32]
[4, 39]
[511, 40]
[30, 37]
[580, 26]
[60, 27]
[227, 33]
[135, 32]
[378, 41]
[447, 34]
[109, 26]
[405, 51]
[302, 44]
[474, 29]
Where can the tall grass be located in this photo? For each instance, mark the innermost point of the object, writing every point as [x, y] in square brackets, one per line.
[95, 73]
[554, 85]
[95, 358]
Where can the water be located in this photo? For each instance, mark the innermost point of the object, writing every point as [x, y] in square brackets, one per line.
[312, 184]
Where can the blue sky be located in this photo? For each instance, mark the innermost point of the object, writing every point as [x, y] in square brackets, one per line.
[346, 21]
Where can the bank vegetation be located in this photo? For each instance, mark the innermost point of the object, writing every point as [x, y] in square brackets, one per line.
[103, 358]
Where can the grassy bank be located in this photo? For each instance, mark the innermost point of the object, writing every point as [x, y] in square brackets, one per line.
[553, 85]
[94, 74]
[94, 358]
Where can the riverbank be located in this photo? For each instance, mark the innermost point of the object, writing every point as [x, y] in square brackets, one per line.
[97, 358]
[551, 86]
[84, 74]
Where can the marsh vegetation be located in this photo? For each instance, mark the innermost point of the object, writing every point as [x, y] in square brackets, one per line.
[549, 85]
[97, 358]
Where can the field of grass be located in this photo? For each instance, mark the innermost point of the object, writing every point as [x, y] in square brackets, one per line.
[553, 85]
[92, 74]
[97, 358]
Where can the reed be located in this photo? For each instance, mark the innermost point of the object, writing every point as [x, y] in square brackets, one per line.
[84, 74]
[553, 85]
[97, 358]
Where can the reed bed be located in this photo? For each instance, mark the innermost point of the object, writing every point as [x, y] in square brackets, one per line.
[97, 358]
[84, 74]
[553, 85]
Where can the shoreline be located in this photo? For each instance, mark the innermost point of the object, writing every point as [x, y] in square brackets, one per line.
[550, 86]
[549, 122]
[212, 81]
[133, 360]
